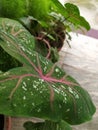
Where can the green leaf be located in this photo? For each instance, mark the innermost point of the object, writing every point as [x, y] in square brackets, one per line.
[39, 88]
[71, 14]
[62, 125]
[41, 9]
[47, 125]
[7, 62]
[74, 16]
[15, 29]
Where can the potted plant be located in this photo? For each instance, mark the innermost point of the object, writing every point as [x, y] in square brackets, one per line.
[31, 85]
[48, 21]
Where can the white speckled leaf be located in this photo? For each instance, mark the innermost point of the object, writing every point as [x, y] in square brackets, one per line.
[40, 88]
[15, 29]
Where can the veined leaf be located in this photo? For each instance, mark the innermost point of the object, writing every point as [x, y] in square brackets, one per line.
[41, 9]
[64, 126]
[40, 88]
[75, 17]
[71, 13]
[7, 61]
[15, 29]
[47, 125]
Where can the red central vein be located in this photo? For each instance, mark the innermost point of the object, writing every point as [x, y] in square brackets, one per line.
[50, 79]
[46, 77]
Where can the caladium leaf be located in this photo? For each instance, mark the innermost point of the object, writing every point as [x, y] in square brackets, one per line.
[47, 125]
[64, 126]
[15, 29]
[40, 88]
[7, 62]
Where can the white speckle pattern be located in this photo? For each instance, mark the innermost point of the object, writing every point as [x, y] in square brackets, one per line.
[24, 88]
[41, 81]
[31, 93]
[67, 110]
[60, 106]
[73, 92]
[77, 96]
[14, 105]
[33, 104]
[39, 110]
[45, 69]
[56, 70]
[24, 97]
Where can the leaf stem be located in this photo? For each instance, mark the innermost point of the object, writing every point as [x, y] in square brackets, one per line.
[47, 43]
